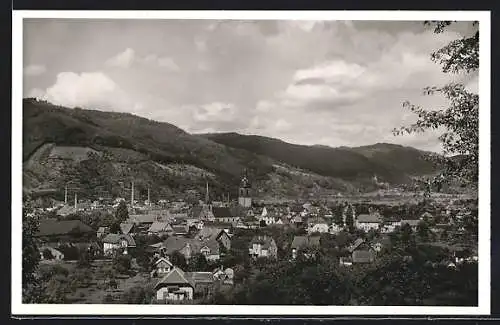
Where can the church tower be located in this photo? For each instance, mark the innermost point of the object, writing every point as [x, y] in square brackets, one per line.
[244, 193]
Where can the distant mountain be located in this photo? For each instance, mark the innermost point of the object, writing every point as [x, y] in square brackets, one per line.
[100, 153]
[391, 163]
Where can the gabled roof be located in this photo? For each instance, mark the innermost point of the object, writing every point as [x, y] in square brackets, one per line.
[180, 229]
[117, 238]
[159, 226]
[362, 256]
[356, 244]
[369, 218]
[412, 223]
[163, 259]
[65, 227]
[265, 241]
[103, 229]
[176, 276]
[209, 233]
[222, 212]
[316, 220]
[126, 227]
[173, 244]
[305, 241]
[179, 216]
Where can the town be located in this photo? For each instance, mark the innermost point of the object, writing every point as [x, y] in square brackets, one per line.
[236, 251]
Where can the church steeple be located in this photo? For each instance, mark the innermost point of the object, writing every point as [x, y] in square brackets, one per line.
[244, 193]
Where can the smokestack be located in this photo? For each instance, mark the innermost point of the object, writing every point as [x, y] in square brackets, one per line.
[149, 198]
[206, 195]
[132, 196]
[66, 195]
[76, 201]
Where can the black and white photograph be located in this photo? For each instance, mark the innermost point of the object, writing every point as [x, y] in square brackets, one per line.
[226, 163]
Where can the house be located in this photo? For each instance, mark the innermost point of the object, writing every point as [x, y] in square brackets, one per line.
[304, 242]
[412, 223]
[142, 222]
[390, 226]
[224, 214]
[161, 267]
[190, 247]
[49, 253]
[160, 228]
[69, 231]
[114, 242]
[174, 286]
[224, 276]
[217, 234]
[317, 225]
[263, 246]
[179, 217]
[203, 282]
[297, 220]
[368, 221]
[334, 228]
[269, 216]
[197, 223]
[381, 243]
[362, 256]
[180, 230]
[102, 231]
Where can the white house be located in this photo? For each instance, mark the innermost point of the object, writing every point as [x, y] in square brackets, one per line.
[162, 266]
[317, 224]
[368, 221]
[263, 246]
[174, 286]
[113, 242]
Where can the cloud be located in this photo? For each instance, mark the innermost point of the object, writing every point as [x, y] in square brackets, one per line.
[35, 70]
[123, 59]
[87, 90]
[214, 112]
[128, 57]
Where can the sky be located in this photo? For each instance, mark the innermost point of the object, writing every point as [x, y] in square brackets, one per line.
[334, 83]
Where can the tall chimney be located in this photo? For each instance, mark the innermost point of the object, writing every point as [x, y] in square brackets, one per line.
[76, 201]
[132, 196]
[149, 197]
[206, 195]
[66, 195]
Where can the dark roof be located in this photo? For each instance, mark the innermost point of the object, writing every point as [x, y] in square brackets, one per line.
[174, 244]
[159, 226]
[180, 229]
[116, 238]
[126, 227]
[305, 241]
[362, 256]
[222, 212]
[209, 233]
[356, 244]
[369, 218]
[176, 276]
[65, 227]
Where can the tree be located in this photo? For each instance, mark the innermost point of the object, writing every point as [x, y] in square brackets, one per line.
[178, 260]
[338, 218]
[121, 213]
[423, 230]
[122, 263]
[47, 254]
[198, 263]
[349, 218]
[460, 120]
[31, 255]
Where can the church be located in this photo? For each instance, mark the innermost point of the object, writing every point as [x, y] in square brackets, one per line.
[245, 193]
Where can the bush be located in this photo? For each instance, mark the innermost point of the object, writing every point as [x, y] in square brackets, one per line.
[122, 263]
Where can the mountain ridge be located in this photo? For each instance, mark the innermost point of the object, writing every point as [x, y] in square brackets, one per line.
[133, 147]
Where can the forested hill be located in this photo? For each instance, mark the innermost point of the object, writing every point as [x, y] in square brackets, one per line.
[100, 151]
[390, 162]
